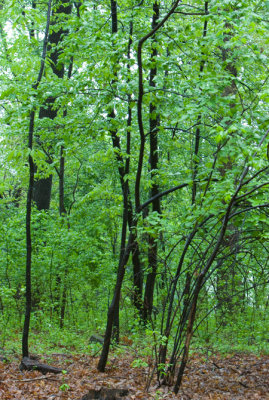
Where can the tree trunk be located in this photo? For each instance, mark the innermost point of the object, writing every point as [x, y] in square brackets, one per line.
[28, 283]
[114, 305]
[42, 186]
[156, 207]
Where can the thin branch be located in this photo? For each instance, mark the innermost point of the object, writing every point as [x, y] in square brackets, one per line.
[266, 205]
[39, 378]
[45, 46]
[239, 198]
[157, 196]
[186, 13]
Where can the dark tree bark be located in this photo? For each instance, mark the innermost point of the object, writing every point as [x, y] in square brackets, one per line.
[148, 298]
[42, 186]
[62, 209]
[198, 129]
[42, 192]
[25, 334]
[62, 212]
[154, 122]
[123, 168]
[140, 101]
[114, 305]
[28, 283]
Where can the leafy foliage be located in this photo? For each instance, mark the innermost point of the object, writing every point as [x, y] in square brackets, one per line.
[198, 86]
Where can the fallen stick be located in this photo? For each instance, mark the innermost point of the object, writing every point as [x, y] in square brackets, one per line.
[39, 378]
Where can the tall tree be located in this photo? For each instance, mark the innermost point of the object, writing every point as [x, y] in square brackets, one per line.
[154, 121]
[25, 336]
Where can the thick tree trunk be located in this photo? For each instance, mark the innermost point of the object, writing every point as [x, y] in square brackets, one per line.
[43, 186]
[42, 193]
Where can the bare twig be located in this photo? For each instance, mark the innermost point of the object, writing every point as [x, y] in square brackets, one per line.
[39, 378]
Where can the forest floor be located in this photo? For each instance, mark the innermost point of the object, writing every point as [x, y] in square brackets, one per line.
[239, 376]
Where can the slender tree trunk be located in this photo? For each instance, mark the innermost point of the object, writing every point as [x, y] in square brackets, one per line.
[123, 168]
[28, 283]
[199, 119]
[62, 209]
[156, 207]
[189, 334]
[114, 305]
[148, 299]
[64, 300]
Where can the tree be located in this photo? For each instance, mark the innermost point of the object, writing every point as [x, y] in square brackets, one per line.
[25, 347]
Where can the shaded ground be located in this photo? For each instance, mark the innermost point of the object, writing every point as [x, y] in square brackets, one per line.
[236, 377]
